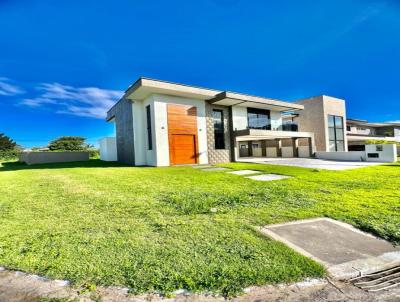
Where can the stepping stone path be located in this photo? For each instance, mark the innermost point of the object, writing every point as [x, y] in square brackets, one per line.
[201, 166]
[244, 172]
[214, 169]
[259, 177]
[268, 177]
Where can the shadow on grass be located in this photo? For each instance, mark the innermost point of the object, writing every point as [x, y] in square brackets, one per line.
[94, 163]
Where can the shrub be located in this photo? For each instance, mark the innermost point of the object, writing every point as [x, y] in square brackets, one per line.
[6, 155]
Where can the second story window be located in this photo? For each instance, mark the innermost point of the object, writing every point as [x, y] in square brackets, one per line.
[218, 117]
[258, 119]
[336, 133]
[149, 138]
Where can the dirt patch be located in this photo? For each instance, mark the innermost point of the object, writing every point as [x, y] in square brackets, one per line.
[21, 287]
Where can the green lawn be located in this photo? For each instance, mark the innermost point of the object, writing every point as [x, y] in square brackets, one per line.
[156, 229]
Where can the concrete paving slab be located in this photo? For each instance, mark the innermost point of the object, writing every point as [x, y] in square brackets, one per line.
[214, 169]
[268, 177]
[202, 166]
[244, 172]
[312, 163]
[344, 250]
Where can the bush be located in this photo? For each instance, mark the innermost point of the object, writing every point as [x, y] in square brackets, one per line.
[381, 142]
[9, 154]
[94, 153]
[68, 143]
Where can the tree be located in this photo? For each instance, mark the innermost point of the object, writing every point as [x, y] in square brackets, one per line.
[6, 143]
[68, 143]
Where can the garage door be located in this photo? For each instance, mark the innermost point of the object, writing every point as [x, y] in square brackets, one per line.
[183, 149]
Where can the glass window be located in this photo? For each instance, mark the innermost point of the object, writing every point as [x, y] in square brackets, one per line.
[336, 133]
[258, 119]
[339, 134]
[219, 141]
[149, 139]
[339, 122]
[339, 145]
[331, 133]
[332, 146]
[331, 121]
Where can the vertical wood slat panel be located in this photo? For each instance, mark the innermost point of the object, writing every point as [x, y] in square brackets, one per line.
[182, 120]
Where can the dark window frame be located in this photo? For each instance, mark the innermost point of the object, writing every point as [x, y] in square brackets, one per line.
[149, 133]
[219, 130]
[258, 112]
[335, 129]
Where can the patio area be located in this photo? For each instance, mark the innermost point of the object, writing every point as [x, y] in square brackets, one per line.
[312, 163]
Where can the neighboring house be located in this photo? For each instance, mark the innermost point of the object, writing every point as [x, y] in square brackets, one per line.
[160, 123]
[361, 131]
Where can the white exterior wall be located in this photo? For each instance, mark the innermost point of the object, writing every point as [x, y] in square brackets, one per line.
[108, 149]
[160, 129]
[388, 153]
[272, 152]
[341, 156]
[287, 151]
[304, 151]
[397, 134]
[239, 118]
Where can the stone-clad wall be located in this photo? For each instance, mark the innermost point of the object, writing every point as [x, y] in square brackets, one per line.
[223, 155]
[124, 131]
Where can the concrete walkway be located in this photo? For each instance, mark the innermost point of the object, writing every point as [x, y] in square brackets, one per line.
[345, 251]
[312, 163]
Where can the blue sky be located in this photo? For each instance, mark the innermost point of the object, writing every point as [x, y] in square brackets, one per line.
[63, 63]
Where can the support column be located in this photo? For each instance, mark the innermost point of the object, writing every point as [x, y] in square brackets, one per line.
[310, 146]
[264, 148]
[278, 148]
[250, 148]
[295, 143]
[233, 143]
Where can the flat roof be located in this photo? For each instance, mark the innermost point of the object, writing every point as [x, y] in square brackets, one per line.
[144, 87]
[368, 124]
[227, 98]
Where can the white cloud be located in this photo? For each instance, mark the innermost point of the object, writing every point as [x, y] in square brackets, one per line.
[8, 89]
[80, 101]
[396, 121]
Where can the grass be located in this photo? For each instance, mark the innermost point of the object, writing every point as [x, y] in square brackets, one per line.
[163, 229]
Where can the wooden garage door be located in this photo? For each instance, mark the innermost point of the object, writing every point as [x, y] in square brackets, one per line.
[183, 149]
[182, 134]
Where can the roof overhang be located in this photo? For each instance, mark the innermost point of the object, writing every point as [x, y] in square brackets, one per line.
[367, 124]
[258, 134]
[226, 98]
[143, 88]
[358, 137]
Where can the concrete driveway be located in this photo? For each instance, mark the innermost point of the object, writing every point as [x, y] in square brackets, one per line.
[312, 163]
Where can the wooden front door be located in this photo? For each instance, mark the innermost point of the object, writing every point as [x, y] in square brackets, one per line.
[182, 134]
[183, 149]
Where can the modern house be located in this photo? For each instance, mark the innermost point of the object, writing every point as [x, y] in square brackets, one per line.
[160, 123]
[359, 132]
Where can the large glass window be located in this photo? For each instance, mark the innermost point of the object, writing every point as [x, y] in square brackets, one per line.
[149, 139]
[258, 119]
[219, 141]
[336, 133]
